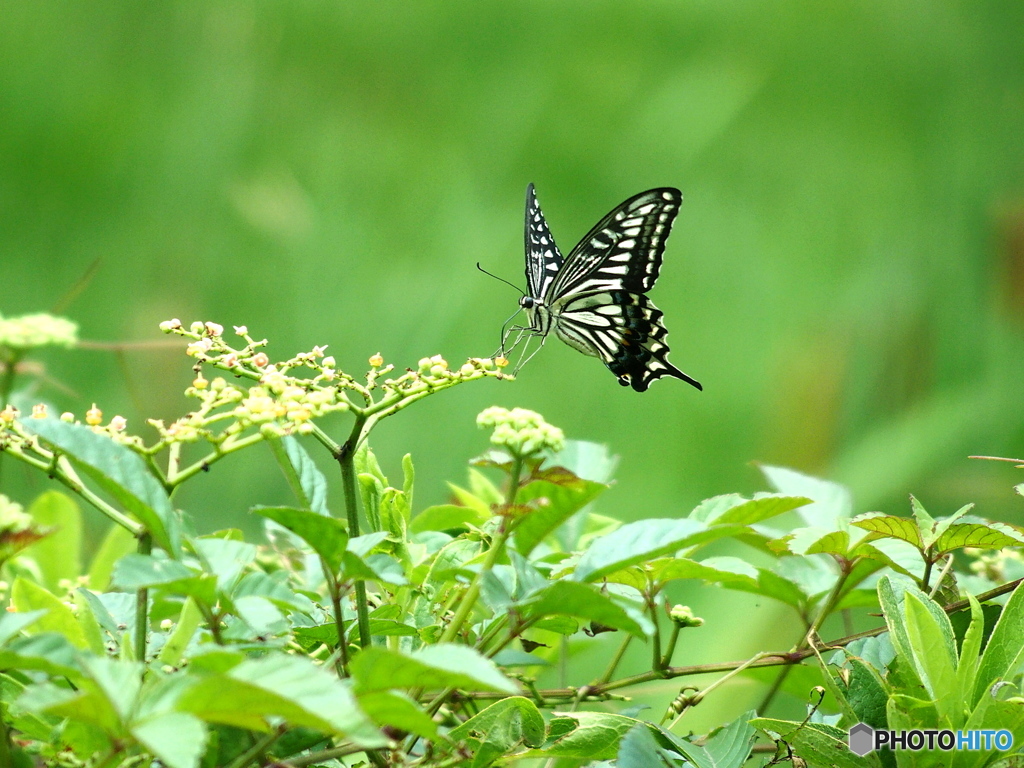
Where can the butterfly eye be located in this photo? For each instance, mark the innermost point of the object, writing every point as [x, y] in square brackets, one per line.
[527, 302]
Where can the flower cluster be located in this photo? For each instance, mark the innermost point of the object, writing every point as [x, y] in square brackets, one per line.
[37, 330]
[997, 566]
[208, 346]
[520, 431]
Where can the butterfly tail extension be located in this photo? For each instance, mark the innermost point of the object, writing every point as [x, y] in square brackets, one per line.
[641, 355]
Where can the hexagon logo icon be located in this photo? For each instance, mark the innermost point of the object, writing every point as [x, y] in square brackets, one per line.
[862, 739]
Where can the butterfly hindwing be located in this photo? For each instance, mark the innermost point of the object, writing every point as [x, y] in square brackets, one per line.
[625, 331]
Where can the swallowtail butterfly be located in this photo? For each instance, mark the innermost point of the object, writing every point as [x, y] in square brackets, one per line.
[595, 300]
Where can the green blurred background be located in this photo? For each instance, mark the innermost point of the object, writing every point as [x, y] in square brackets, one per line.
[846, 276]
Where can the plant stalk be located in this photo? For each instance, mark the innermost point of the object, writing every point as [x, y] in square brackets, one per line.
[468, 602]
[142, 603]
[346, 457]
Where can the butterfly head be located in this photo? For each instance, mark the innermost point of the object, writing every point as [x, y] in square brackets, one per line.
[528, 302]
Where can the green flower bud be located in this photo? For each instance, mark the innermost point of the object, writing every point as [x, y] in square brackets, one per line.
[520, 431]
[683, 616]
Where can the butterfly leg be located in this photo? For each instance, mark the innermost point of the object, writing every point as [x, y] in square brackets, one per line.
[506, 331]
[522, 362]
[505, 349]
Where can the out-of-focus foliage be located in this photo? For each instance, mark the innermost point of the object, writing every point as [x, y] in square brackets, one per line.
[846, 276]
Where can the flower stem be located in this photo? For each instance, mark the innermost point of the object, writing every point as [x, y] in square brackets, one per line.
[468, 602]
[346, 458]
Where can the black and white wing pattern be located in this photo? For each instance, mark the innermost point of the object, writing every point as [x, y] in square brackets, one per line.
[594, 299]
[543, 259]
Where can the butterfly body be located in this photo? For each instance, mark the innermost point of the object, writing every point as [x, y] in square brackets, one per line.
[594, 299]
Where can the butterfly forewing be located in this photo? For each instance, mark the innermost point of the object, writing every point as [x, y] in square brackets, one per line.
[624, 249]
[543, 259]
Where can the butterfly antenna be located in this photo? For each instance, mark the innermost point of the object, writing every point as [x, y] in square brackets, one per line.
[506, 282]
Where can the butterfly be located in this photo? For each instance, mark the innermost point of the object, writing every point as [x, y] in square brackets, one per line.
[595, 300]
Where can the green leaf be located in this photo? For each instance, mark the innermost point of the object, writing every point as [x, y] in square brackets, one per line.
[27, 596]
[644, 540]
[584, 736]
[730, 746]
[816, 743]
[371, 489]
[866, 694]
[307, 481]
[117, 543]
[59, 553]
[118, 681]
[327, 536]
[135, 571]
[85, 705]
[970, 650]
[499, 729]
[120, 472]
[87, 620]
[560, 500]
[913, 643]
[902, 556]
[902, 528]
[254, 693]
[188, 622]
[832, 501]
[482, 506]
[49, 652]
[771, 584]
[638, 749]
[366, 464]
[736, 509]
[816, 541]
[11, 623]
[934, 658]
[445, 517]
[925, 522]
[942, 525]
[178, 739]
[224, 558]
[394, 517]
[586, 601]
[408, 477]
[1004, 653]
[981, 535]
[433, 667]
[714, 570]
[398, 710]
